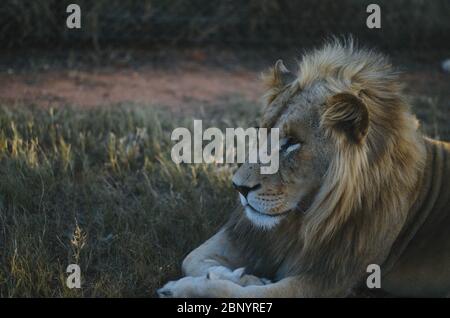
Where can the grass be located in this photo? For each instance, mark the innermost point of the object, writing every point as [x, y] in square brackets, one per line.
[97, 187]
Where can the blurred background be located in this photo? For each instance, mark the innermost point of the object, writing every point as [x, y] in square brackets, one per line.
[130, 50]
[86, 117]
[417, 24]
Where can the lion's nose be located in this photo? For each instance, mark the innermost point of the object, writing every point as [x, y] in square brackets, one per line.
[244, 190]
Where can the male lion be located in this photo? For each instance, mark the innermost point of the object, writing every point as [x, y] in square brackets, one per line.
[358, 184]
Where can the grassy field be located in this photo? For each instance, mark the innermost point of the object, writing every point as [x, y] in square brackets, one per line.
[97, 187]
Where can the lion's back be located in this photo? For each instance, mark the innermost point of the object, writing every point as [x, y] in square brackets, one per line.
[423, 267]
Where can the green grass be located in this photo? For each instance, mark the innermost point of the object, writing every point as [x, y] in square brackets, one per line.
[98, 188]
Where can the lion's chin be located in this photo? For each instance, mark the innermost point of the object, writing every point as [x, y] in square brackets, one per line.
[261, 220]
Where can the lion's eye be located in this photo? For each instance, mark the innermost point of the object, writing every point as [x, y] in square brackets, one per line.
[289, 144]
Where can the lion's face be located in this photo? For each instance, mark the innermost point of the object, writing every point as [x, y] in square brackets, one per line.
[320, 115]
[304, 156]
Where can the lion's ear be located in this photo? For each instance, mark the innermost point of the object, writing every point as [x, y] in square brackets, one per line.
[276, 78]
[347, 114]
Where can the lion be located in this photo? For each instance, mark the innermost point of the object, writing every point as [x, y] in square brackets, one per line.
[358, 184]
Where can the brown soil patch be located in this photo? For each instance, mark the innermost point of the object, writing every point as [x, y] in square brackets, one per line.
[186, 84]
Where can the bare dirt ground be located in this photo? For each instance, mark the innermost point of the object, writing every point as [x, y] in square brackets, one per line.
[190, 81]
[188, 84]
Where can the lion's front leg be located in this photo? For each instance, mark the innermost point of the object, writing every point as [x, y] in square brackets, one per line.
[215, 252]
[219, 258]
[217, 288]
[214, 260]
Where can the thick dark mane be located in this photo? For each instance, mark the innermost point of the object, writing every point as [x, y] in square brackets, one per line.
[368, 188]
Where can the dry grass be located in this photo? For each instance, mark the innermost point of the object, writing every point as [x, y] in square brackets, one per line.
[98, 188]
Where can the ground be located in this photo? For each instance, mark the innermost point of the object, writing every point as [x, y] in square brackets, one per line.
[190, 84]
[86, 175]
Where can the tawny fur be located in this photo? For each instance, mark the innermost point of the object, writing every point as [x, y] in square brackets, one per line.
[366, 186]
[369, 187]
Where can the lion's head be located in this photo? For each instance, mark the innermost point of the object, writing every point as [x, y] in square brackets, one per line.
[348, 143]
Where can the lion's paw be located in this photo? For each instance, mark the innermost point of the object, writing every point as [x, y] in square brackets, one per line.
[191, 287]
[222, 272]
[236, 276]
[183, 288]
